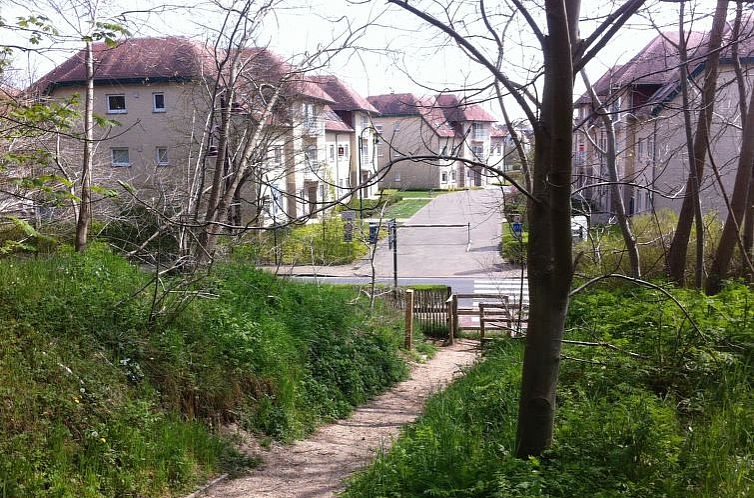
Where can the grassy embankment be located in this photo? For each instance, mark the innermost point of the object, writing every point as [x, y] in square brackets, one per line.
[105, 395]
[678, 421]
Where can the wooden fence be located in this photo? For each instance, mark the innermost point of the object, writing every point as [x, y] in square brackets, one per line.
[430, 308]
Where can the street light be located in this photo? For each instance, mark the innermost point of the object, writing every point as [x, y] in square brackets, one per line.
[359, 179]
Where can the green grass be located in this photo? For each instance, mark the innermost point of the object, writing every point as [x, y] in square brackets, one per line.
[676, 423]
[421, 194]
[102, 395]
[405, 208]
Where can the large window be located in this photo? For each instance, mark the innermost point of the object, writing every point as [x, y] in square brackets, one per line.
[116, 104]
[310, 116]
[120, 157]
[311, 157]
[478, 131]
[342, 151]
[158, 102]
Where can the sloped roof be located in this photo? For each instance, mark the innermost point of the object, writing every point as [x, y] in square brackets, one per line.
[333, 121]
[408, 104]
[656, 64]
[172, 58]
[345, 98]
[458, 110]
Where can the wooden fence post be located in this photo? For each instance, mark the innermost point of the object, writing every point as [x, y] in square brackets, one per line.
[481, 324]
[409, 318]
[453, 319]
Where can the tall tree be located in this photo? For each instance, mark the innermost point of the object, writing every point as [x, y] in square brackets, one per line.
[564, 54]
[691, 210]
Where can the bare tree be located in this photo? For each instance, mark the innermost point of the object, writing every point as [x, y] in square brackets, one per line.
[549, 252]
[691, 209]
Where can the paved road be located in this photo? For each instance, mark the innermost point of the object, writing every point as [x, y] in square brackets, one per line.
[445, 251]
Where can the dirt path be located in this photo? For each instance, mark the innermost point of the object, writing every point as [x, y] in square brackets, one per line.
[317, 466]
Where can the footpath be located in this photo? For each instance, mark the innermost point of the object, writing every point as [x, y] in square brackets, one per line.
[318, 466]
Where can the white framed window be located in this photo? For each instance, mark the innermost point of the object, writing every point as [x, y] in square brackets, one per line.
[310, 116]
[120, 157]
[478, 151]
[276, 154]
[364, 121]
[311, 156]
[161, 156]
[444, 177]
[453, 175]
[378, 150]
[116, 104]
[397, 176]
[331, 152]
[478, 131]
[158, 102]
[343, 150]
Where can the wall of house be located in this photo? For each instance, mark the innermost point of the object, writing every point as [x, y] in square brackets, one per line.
[141, 132]
[670, 167]
[410, 135]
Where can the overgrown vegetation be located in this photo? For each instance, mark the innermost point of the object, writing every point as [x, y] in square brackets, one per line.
[605, 252]
[316, 244]
[513, 249]
[664, 411]
[108, 391]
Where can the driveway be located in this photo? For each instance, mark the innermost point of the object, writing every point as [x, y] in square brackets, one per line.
[445, 251]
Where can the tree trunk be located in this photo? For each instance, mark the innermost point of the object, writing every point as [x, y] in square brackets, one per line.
[679, 245]
[85, 211]
[549, 248]
[618, 205]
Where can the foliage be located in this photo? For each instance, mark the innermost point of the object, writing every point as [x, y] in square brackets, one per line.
[513, 249]
[316, 244]
[605, 252]
[105, 396]
[671, 419]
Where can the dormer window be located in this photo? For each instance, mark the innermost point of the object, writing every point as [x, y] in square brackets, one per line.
[116, 104]
[158, 102]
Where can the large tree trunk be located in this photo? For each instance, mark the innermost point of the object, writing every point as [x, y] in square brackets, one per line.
[679, 245]
[85, 211]
[549, 248]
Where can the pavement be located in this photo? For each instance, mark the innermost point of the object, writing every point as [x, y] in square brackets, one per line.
[470, 250]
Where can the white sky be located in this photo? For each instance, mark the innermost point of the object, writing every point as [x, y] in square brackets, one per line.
[394, 42]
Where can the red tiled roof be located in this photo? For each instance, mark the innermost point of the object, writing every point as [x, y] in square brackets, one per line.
[171, 58]
[141, 58]
[333, 121]
[345, 98]
[457, 110]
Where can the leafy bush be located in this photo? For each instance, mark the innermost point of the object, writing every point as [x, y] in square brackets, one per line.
[605, 251]
[513, 249]
[316, 244]
[106, 396]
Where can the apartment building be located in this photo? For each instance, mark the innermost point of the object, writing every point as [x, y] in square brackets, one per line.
[351, 140]
[423, 126]
[644, 101]
[163, 99]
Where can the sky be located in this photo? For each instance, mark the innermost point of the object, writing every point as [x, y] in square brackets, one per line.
[393, 52]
